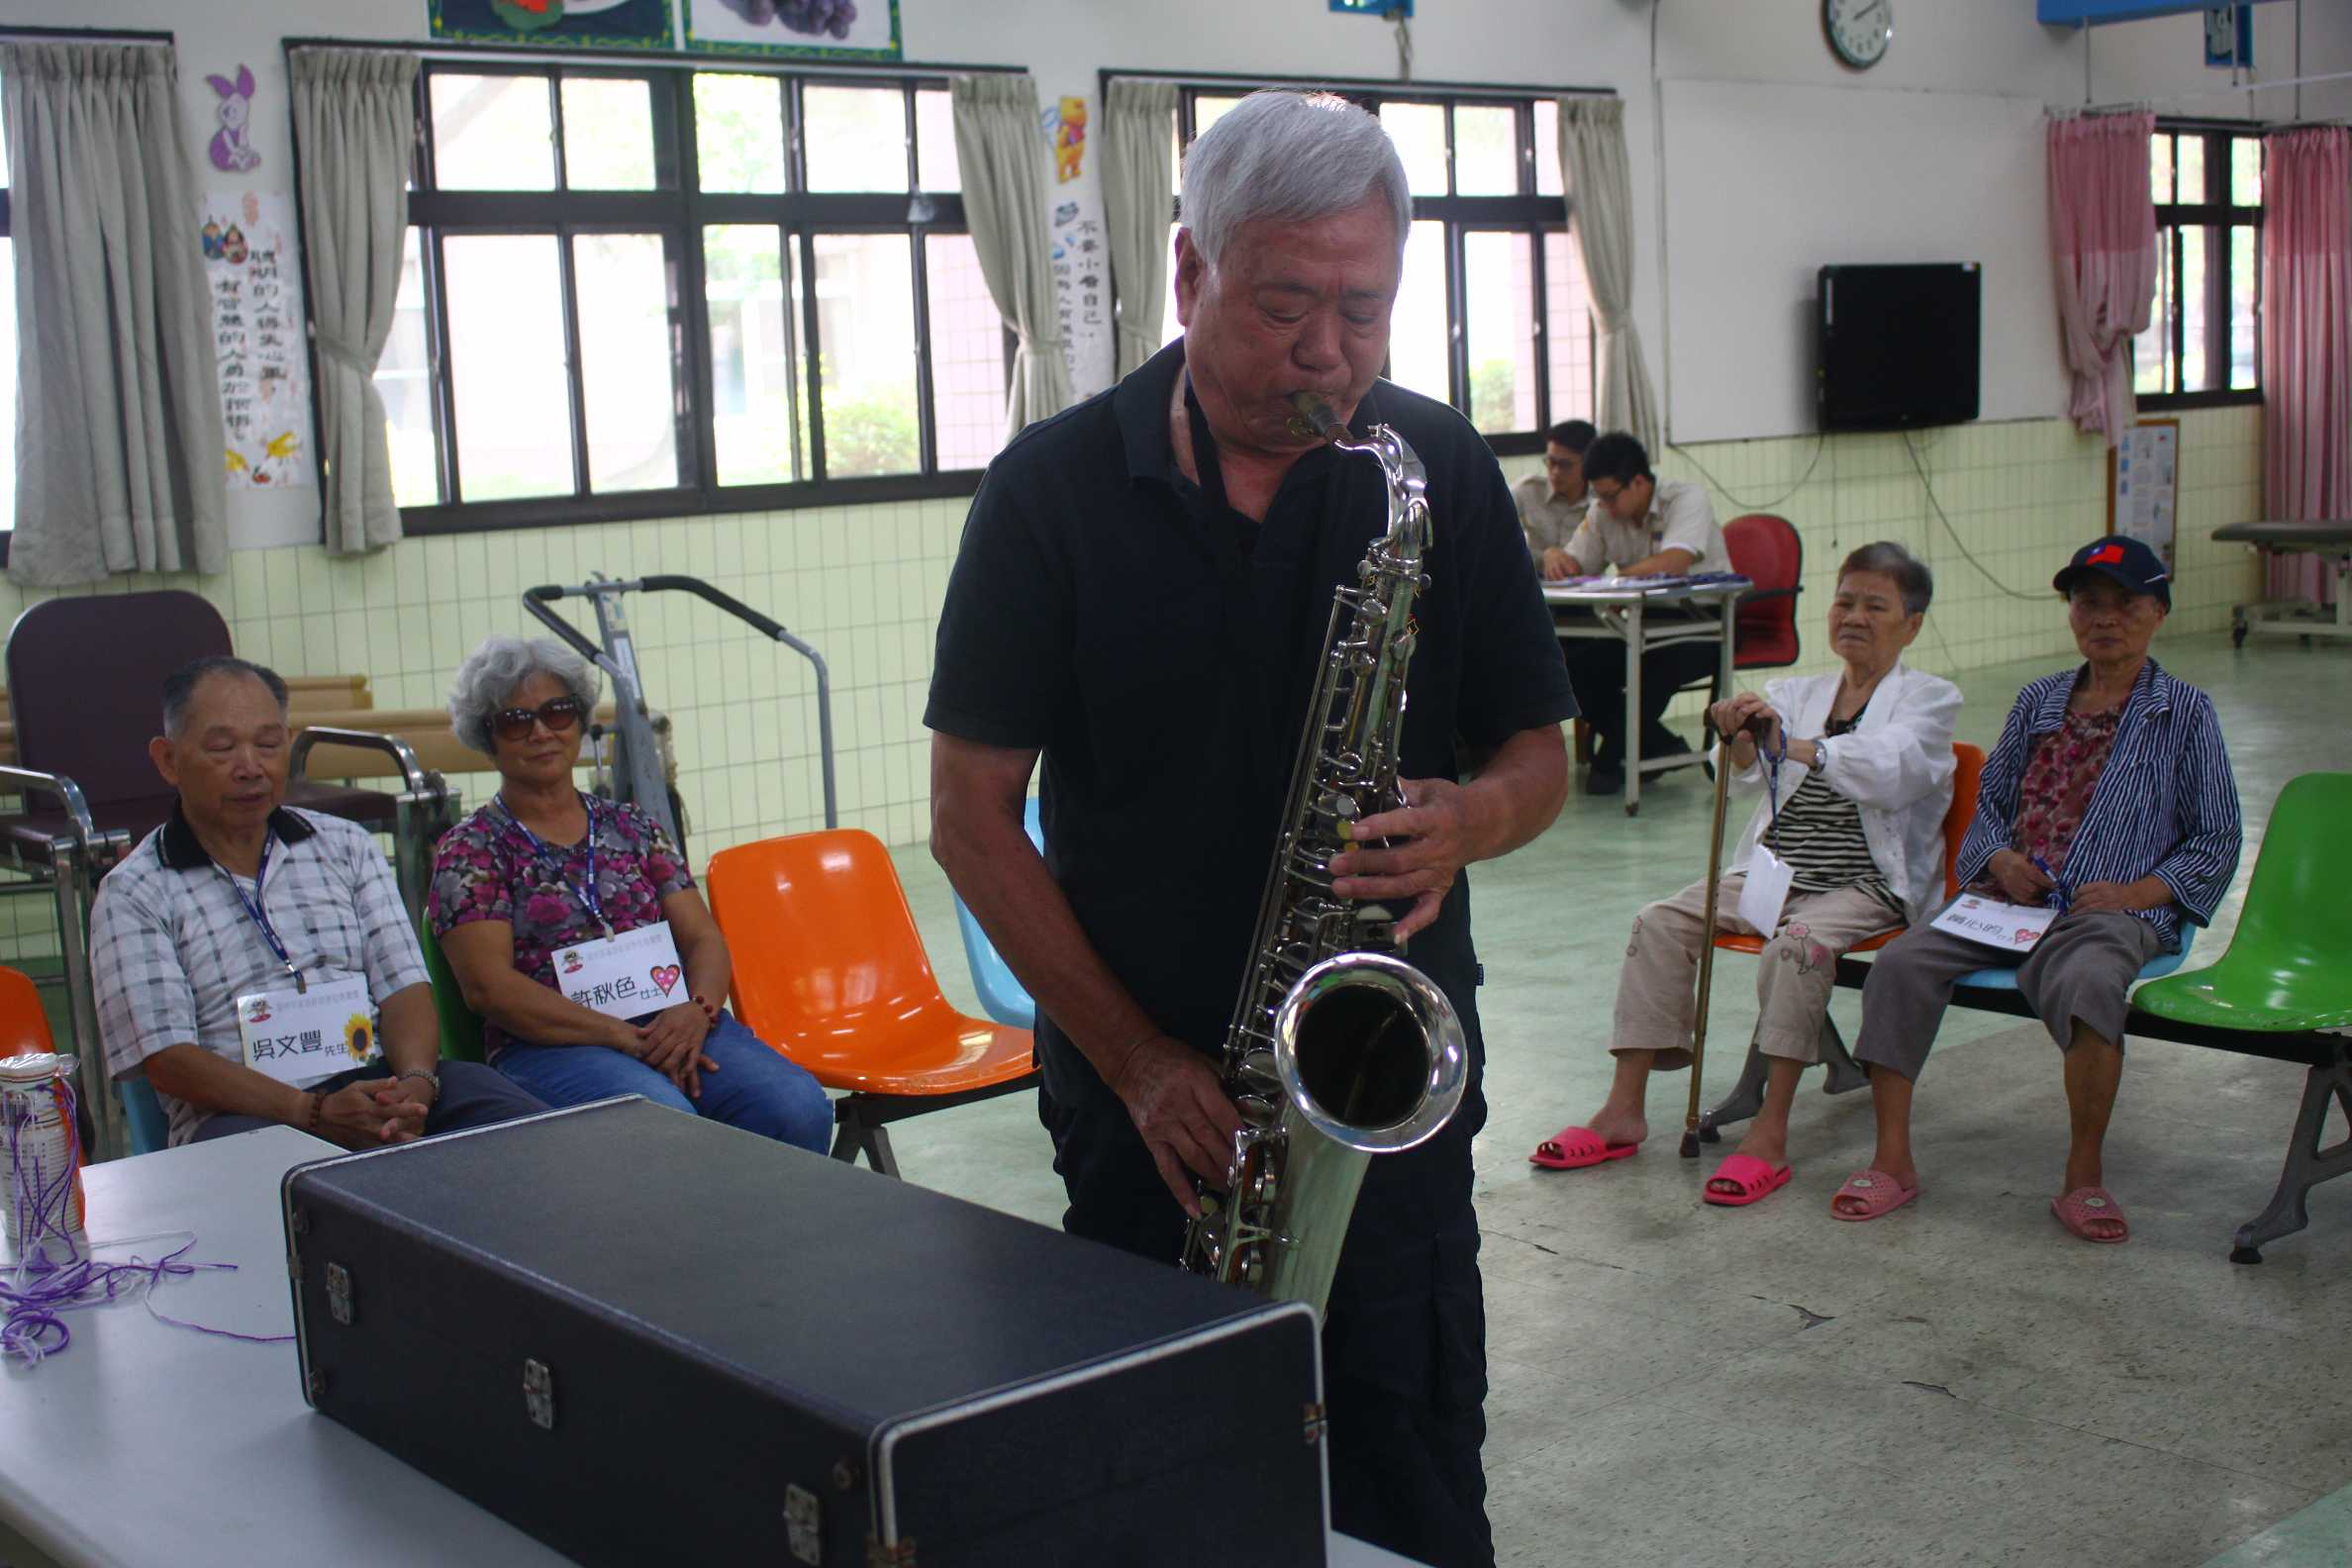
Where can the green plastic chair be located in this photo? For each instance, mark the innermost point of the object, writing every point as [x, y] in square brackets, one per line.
[461, 1026]
[2289, 967]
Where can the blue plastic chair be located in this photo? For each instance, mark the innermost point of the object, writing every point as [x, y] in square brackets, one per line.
[1001, 997]
[150, 1130]
[2164, 964]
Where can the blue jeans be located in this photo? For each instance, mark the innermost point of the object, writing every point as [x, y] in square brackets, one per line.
[755, 1088]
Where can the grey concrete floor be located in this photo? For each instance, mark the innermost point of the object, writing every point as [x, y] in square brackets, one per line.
[1959, 1383]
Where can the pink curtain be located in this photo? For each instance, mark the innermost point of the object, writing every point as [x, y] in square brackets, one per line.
[2103, 238]
[2306, 342]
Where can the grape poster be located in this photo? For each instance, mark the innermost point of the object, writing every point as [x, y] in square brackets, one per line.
[587, 24]
[828, 29]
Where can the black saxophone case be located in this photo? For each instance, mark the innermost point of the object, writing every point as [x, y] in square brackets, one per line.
[645, 1338]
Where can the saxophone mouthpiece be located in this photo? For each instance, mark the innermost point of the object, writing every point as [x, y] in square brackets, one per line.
[1315, 418]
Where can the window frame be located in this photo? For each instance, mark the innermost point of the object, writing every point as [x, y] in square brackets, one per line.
[678, 210]
[2173, 219]
[1526, 213]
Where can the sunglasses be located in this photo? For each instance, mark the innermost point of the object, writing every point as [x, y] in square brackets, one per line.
[558, 713]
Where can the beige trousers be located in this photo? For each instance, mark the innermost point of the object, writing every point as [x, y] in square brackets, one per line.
[1795, 974]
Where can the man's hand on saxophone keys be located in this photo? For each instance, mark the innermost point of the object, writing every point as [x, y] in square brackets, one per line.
[1429, 841]
[1180, 1108]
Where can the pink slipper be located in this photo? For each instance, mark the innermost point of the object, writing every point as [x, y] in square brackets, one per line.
[1873, 1192]
[2085, 1206]
[1575, 1148]
[1744, 1179]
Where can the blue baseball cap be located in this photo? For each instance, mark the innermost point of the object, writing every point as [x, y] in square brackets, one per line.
[2122, 560]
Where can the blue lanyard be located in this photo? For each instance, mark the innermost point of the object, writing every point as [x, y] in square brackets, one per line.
[587, 895]
[258, 911]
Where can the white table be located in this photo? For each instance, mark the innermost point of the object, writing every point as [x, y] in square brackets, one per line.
[1705, 613]
[145, 1445]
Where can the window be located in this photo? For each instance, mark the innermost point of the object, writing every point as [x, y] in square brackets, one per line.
[1491, 313]
[652, 291]
[2203, 343]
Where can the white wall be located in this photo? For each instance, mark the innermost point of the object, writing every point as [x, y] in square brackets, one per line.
[1973, 47]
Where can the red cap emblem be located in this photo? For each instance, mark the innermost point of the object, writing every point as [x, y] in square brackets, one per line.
[2105, 555]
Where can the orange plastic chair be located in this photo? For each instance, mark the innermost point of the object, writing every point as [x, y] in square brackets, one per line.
[831, 971]
[1747, 1096]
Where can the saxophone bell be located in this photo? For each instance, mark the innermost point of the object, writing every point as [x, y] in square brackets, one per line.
[1370, 1053]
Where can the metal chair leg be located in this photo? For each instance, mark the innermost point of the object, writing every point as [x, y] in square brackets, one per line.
[2307, 1164]
[72, 886]
[1745, 1101]
[1846, 1074]
[855, 1134]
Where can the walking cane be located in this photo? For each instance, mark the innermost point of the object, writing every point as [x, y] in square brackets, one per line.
[1714, 880]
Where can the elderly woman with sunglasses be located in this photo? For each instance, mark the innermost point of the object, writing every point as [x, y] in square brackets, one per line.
[573, 926]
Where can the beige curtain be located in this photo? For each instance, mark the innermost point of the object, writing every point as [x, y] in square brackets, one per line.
[1002, 152]
[1600, 215]
[354, 125]
[120, 450]
[1138, 196]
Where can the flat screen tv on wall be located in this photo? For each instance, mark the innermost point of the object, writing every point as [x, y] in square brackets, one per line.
[1899, 345]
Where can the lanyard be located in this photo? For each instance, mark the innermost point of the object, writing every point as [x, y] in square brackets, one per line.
[1204, 447]
[588, 894]
[256, 910]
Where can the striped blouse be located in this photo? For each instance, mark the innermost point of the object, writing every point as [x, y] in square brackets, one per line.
[1819, 832]
[2166, 804]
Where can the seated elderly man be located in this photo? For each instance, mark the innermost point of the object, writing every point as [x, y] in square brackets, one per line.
[1855, 767]
[2110, 797]
[575, 929]
[255, 961]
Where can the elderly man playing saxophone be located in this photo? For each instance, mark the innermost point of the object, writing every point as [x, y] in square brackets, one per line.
[1141, 600]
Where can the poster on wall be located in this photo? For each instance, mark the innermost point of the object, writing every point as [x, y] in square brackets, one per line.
[581, 24]
[258, 337]
[2144, 484]
[824, 29]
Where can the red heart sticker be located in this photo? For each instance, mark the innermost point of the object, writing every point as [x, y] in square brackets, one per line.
[664, 976]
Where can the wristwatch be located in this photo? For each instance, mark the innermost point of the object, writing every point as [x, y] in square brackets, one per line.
[431, 1078]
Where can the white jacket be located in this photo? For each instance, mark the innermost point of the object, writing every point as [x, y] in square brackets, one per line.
[1897, 766]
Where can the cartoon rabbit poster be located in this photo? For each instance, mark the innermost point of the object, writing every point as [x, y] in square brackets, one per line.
[258, 336]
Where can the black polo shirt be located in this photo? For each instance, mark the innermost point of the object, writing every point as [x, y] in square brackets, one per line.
[1160, 649]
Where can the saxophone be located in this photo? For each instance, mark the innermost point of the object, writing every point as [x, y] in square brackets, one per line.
[1339, 1049]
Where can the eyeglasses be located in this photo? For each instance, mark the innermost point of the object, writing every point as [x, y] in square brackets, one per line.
[558, 713]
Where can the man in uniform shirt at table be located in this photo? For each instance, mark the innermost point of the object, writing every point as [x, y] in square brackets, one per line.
[1141, 598]
[1637, 527]
[246, 955]
[1553, 503]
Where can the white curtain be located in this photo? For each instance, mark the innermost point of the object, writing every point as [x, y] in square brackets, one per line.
[121, 462]
[1138, 198]
[1002, 150]
[1600, 215]
[355, 127]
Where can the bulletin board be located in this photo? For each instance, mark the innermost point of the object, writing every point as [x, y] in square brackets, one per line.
[2144, 484]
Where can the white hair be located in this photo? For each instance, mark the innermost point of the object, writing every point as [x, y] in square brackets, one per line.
[486, 682]
[1292, 157]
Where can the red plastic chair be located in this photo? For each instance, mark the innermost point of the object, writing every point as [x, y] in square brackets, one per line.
[1766, 548]
[1747, 1096]
[831, 971]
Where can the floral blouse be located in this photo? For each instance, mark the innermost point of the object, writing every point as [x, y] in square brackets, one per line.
[487, 868]
[2060, 774]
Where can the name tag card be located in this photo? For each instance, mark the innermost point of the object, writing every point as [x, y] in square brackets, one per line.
[1766, 891]
[300, 1036]
[623, 976]
[2011, 928]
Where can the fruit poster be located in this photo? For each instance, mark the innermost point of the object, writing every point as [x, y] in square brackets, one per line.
[828, 28]
[249, 263]
[585, 23]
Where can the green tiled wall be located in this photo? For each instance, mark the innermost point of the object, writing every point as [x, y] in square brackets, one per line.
[864, 584]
